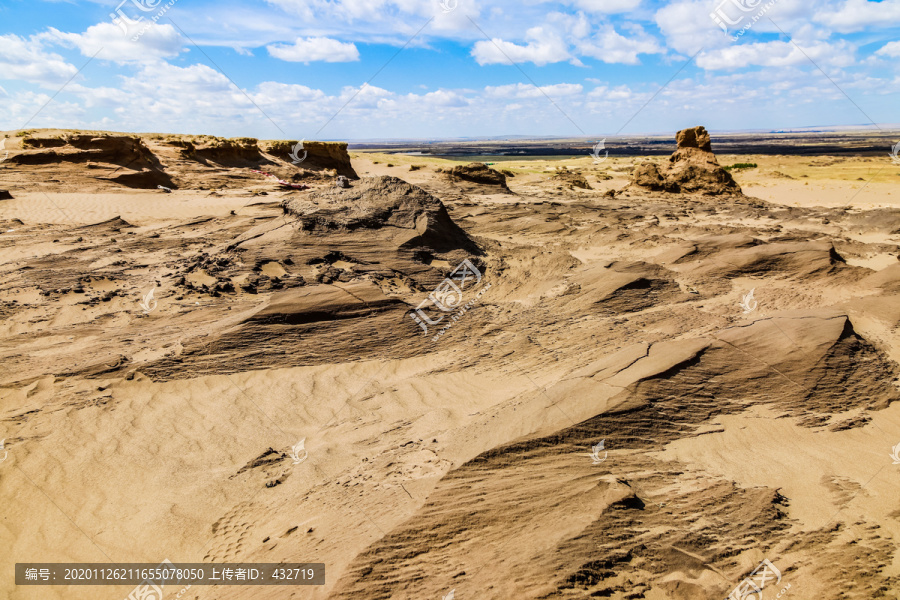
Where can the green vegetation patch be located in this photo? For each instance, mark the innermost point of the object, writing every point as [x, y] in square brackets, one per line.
[741, 166]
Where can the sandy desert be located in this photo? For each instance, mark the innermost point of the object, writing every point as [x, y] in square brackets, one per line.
[549, 377]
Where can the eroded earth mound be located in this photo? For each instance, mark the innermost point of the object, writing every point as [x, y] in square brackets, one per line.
[693, 168]
[67, 161]
[478, 173]
[376, 202]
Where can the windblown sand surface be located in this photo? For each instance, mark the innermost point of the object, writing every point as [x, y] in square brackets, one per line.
[463, 463]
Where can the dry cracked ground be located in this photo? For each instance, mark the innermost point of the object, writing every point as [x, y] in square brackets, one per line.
[141, 428]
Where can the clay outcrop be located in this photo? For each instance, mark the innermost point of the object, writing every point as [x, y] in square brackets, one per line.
[692, 169]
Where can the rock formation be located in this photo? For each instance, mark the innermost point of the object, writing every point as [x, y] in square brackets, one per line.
[319, 156]
[693, 168]
[571, 179]
[382, 202]
[478, 173]
[172, 161]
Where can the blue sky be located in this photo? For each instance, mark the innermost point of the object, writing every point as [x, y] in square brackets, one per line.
[363, 69]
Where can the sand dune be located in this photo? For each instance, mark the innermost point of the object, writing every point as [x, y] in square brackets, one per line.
[734, 427]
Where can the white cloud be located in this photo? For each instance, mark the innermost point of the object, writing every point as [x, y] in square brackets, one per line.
[611, 47]
[287, 93]
[165, 96]
[155, 42]
[371, 21]
[543, 47]
[688, 27]
[26, 60]
[891, 49]
[441, 98]
[607, 6]
[315, 49]
[564, 37]
[400, 13]
[100, 96]
[24, 108]
[198, 99]
[367, 96]
[777, 54]
[618, 93]
[855, 15]
[523, 90]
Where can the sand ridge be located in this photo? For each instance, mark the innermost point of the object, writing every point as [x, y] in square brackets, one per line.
[463, 464]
